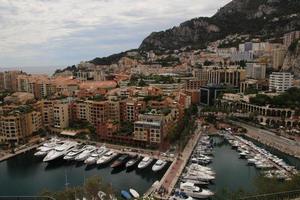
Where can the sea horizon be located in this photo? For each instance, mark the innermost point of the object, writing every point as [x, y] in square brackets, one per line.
[48, 70]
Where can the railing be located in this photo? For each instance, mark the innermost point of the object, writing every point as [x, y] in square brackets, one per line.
[275, 196]
[26, 198]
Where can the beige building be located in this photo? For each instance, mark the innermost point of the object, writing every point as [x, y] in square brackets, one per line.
[19, 124]
[60, 115]
[228, 75]
[153, 127]
[8, 80]
[278, 56]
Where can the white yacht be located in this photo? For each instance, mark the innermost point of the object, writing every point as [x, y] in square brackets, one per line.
[107, 157]
[199, 176]
[59, 151]
[73, 153]
[158, 165]
[180, 196]
[87, 150]
[145, 162]
[48, 146]
[95, 156]
[43, 151]
[191, 190]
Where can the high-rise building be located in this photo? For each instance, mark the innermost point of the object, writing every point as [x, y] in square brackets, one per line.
[226, 76]
[280, 81]
[278, 56]
[256, 71]
[8, 80]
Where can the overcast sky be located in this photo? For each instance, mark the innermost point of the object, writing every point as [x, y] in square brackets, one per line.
[64, 32]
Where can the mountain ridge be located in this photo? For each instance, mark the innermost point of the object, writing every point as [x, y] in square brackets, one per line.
[256, 17]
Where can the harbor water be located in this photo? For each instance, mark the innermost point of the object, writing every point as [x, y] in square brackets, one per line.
[27, 175]
[232, 172]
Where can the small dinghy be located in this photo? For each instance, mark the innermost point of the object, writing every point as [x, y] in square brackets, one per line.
[125, 194]
[134, 193]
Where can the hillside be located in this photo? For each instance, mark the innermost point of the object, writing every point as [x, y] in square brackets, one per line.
[264, 18]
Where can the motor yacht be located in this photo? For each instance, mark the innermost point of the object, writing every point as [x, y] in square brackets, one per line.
[159, 165]
[120, 161]
[95, 156]
[87, 151]
[60, 151]
[133, 161]
[196, 192]
[73, 153]
[107, 157]
[146, 161]
[180, 196]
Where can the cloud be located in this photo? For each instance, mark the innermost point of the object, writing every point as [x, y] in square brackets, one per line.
[32, 30]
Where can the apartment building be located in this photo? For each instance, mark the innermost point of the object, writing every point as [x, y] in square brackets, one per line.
[39, 85]
[153, 127]
[194, 84]
[226, 76]
[278, 56]
[256, 71]
[19, 124]
[280, 81]
[60, 115]
[200, 74]
[8, 80]
[130, 109]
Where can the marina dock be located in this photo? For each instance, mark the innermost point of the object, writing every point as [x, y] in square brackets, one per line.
[164, 188]
[10, 155]
[269, 160]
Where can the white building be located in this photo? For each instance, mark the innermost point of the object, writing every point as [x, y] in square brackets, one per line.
[280, 81]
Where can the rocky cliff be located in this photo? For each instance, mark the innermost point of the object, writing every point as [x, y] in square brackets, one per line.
[292, 61]
[266, 18]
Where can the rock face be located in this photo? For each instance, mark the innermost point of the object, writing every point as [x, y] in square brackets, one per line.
[292, 62]
[267, 18]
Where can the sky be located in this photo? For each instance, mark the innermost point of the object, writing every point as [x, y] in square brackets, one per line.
[39, 33]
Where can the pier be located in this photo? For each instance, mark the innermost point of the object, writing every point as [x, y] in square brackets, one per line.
[269, 160]
[270, 139]
[10, 155]
[164, 188]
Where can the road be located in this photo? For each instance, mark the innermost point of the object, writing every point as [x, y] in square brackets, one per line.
[269, 138]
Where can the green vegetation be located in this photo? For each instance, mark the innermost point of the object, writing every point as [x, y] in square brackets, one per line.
[137, 80]
[89, 190]
[98, 97]
[153, 98]
[180, 133]
[3, 95]
[251, 90]
[161, 79]
[293, 46]
[262, 186]
[168, 61]
[288, 99]
[208, 63]
[126, 128]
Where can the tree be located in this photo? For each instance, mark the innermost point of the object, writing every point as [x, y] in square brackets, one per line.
[89, 190]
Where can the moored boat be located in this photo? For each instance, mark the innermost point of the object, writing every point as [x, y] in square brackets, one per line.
[134, 193]
[159, 165]
[125, 194]
[120, 161]
[146, 161]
